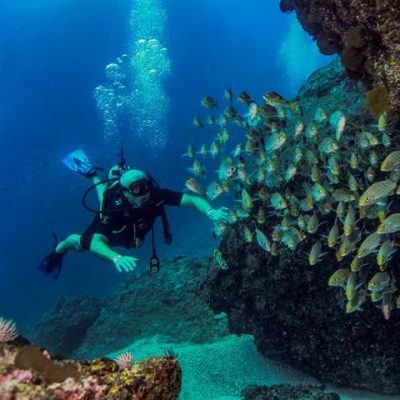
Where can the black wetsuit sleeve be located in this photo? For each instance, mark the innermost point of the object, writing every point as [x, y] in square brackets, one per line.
[103, 226]
[171, 197]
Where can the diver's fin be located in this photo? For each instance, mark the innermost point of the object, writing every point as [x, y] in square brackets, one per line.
[51, 264]
[77, 161]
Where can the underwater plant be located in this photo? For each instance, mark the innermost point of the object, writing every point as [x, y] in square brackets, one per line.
[307, 179]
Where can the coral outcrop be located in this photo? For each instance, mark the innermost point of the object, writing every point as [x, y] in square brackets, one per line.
[286, 303]
[366, 34]
[29, 373]
[63, 329]
[277, 392]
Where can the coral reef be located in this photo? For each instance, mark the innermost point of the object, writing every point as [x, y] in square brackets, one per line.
[286, 304]
[134, 313]
[364, 32]
[28, 373]
[278, 392]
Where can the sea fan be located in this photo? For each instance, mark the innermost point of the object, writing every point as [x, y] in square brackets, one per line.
[124, 360]
[8, 330]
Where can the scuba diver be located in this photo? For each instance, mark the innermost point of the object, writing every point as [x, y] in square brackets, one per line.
[130, 202]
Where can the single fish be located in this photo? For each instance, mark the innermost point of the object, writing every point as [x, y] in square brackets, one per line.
[356, 303]
[214, 149]
[385, 252]
[194, 186]
[299, 129]
[351, 286]
[386, 141]
[197, 169]
[245, 98]
[333, 235]
[226, 169]
[275, 141]
[198, 122]
[349, 221]
[382, 122]
[380, 281]
[228, 94]
[391, 224]
[219, 261]
[191, 153]
[276, 234]
[263, 241]
[320, 115]
[214, 190]
[260, 217]
[387, 305]
[277, 201]
[318, 192]
[391, 162]
[290, 172]
[354, 161]
[246, 200]
[369, 245]
[247, 234]
[311, 131]
[339, 278]
[313, 224]
[209, 102]
[343, 195]
[341, 210]
[229, 111]
[377, 191]
[315, 253]
[328, 146]
[203, 150]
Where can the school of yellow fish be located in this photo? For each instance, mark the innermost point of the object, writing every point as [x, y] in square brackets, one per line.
[324, 180]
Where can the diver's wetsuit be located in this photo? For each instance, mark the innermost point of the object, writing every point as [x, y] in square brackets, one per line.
[126, 226]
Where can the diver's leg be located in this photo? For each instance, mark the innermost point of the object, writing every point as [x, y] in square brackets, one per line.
[72, 242]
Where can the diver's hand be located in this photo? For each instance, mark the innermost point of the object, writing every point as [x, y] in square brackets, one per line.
[125, 263]
[218, 215]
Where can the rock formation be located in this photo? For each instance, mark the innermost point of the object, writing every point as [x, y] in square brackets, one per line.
[287, 305]
[366, 34]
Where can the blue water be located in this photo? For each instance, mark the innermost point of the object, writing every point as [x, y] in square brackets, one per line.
[52, 56]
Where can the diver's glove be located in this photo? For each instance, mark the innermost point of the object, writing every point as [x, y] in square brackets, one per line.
[219, 215]
[125, 263]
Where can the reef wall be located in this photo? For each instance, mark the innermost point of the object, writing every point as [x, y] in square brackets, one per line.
[366, 35]
[287, 304]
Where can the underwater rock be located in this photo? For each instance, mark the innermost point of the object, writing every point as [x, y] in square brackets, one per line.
[63, 328]
[30, 373]
[170, 303]
[283, 392]
[364, 33]
[286, 303]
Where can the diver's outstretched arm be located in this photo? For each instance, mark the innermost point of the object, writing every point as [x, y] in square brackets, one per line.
[101, 249]
[72, 242]
[204, 207]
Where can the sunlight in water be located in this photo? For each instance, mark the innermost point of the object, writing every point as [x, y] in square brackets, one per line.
[298, 56]
[134, 92]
